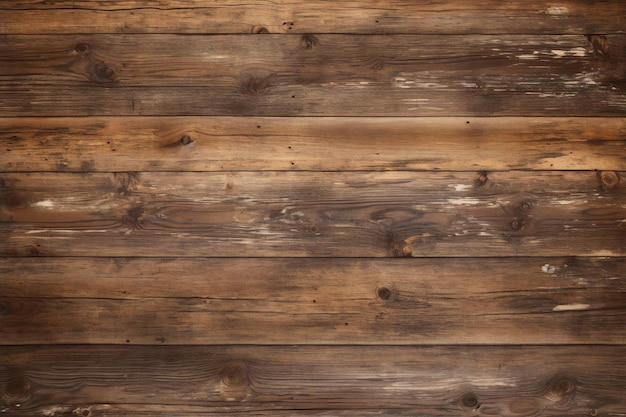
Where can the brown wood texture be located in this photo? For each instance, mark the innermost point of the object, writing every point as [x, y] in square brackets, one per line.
[313, 75]
[289, 208]
[313, 380]
[276, 301]
[320, 144]
[327, 214]
[315, 16]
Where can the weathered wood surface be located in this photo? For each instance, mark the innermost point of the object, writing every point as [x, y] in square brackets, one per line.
[314, 380]
[356, 16]
[319, 144]
[312, 301]
[353, 214]
[313, 75]
[181, 234]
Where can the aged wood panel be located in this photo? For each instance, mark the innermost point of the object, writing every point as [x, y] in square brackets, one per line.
[313, 380]
[314, 214]
[304, 280]
[360, 16]
[325, 144]
[304, 301]
[330, 75]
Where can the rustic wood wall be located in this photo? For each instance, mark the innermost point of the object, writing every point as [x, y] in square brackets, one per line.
[312, 208]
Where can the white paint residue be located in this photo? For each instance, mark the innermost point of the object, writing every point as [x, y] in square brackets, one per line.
[549, 269]
[527, 56]
[556, 10]
[571, 307]
[44, 204]
[464, 201]
[572, 52]
[460, 187]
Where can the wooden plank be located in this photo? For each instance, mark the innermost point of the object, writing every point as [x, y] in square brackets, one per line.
[108, 144]
[326, 214]
[312, 301]
[356, 16]
[312, 75]
[303, 280]
[313, 381]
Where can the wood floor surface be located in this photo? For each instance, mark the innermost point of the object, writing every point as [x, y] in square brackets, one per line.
[312, 208]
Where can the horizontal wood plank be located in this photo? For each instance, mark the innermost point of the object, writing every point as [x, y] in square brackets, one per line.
[311, 301]
[312, 75]
[319, 144]
[325, 214]
[313, 380]
[356, 16]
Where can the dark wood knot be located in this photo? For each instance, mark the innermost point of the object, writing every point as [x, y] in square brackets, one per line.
[517, 224]
[384, 293]
[482, 179]
[105, 73]
[308, 41]
[525, 206]
[562, 386]
[609, 179]
[82, 49]
[255, 85]
[600, 45]
[234, 376]
[470, 401]
[17, 389]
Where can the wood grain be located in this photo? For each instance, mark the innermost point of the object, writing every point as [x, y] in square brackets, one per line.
[312, 75]
[355, 16]
[313, 380]
[326, 214]
[312, 301]
[121, 144]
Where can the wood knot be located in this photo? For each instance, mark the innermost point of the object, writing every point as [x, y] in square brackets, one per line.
[560, 389]
[105, 73]
[260, 30]
[609, 179]
[133, 219]
[469, 401]
[186, 140]
[17, 389]
[524, 206]
[600, 45]
[482, 179]
[255, 85]
[234, 376]
[562, 386]
[517, 224]
[384, 293]
[308, 41]
[82, 49]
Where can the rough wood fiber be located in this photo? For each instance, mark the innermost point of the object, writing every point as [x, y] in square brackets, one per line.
[254, 301]
[313, 380]
[319, 144]
[313, 75]
[314, 214]
[315, 16]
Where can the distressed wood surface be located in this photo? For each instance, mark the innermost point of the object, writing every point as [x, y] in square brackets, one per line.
[314, 380]
[357, 16]
[312, 301]
[376, 208]
[319, 144]
[313, 75]
[314, 214]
